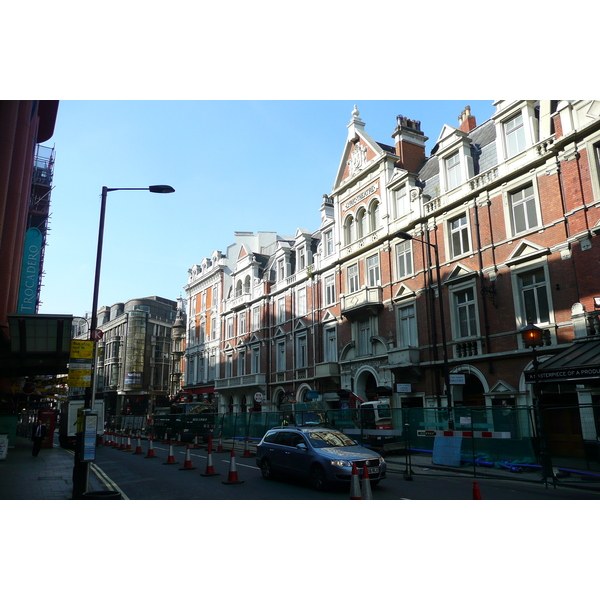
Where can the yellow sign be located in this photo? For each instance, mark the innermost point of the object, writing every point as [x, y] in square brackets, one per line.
[79, 378]
[82, 349]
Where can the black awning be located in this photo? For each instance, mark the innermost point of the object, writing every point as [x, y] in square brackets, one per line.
[578, 362]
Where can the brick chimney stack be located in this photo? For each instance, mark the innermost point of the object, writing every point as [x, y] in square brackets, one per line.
[410, 144]
[466, 120]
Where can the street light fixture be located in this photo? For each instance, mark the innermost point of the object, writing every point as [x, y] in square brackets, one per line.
[532, 337]
[81, 469]
[446, 371]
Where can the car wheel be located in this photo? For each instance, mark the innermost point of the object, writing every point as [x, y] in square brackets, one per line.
[265, 469]
[318, 481]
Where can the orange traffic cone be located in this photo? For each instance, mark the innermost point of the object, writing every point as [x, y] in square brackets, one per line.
[366, 494]
[233, 476]
[138, 448]
[187, 465]
[195, 446]
[179, 442]
[166, 438]
[171, 459]
[123, 444]
[354, 484]
[220, 444]
[128, 448]
[476, 491]
[116, 442]
[150, 448]
[247, 453]
[210, 470]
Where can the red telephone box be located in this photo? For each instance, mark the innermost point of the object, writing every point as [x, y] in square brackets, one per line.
[48, 418]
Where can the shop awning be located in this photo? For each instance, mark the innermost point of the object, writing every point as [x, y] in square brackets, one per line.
[578, 362]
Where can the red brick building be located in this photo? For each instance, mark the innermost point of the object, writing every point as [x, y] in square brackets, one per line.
[509, 208]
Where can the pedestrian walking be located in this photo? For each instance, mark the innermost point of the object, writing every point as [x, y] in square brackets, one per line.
[38, 435]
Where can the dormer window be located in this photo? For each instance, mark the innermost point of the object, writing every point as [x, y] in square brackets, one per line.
[453, 175]
[515, 135]
[301, 258]
[281, 269]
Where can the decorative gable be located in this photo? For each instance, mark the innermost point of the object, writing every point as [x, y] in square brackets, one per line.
[458, 273]
[404, 291]
[526, 250]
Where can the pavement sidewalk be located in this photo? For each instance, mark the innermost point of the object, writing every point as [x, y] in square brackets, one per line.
[48, 476]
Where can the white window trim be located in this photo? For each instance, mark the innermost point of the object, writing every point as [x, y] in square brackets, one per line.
[325, 287]
[399, 307]
[516, 271]
[453, 290]
[515, 186]
[368, 270]
[448, 241]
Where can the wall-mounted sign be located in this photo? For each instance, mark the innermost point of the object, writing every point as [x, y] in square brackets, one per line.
[30, 271]
[457, 379]
[403, 388]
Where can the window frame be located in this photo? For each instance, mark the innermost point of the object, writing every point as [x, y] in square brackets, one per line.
[404, 255]
[330, 351]
[301, 356]
[472, 308]
[413, 332]
[353, 278]
[510, 138]
[329, 297]
[453, 170]
[463, 230]
[373, 271]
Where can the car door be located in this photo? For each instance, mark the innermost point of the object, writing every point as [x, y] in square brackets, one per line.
[298, 459]
[277, 453]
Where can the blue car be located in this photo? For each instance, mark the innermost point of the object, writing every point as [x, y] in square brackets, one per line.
[319, 455]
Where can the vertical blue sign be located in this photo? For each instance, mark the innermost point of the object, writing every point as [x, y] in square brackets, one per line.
[30, 271]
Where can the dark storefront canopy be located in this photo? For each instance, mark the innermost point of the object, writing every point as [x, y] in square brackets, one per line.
[579, 362]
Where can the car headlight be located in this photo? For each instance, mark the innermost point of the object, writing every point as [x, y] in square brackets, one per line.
[381, 460]
[341, 463]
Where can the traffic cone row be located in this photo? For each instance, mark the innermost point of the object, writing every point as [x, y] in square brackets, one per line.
[366, 493]
[233, 476]
[210, 470]
[354, 484]
[171, 458]
[247, 453]
[150, 448]
[187, 465]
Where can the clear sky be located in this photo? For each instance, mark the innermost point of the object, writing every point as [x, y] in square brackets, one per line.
[235, 166]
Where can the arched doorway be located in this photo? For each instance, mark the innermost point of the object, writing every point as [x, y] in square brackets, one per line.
[366, 386]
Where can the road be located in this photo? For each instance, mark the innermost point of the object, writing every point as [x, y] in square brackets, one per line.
[141, 478]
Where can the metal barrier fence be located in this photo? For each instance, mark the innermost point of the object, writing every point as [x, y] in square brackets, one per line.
[501, 438]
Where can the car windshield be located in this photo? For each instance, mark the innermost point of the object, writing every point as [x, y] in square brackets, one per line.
[336, 439]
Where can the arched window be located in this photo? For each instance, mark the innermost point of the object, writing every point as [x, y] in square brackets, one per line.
[247, 285]
[238, 289]
[361, 223]
[349, 230]
[375, 216]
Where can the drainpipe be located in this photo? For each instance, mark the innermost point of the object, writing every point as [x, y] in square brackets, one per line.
[482, 290]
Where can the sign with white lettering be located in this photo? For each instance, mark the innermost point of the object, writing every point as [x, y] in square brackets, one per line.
[30, 271]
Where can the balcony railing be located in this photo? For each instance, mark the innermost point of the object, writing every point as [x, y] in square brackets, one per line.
[367, 300]
[240, 381]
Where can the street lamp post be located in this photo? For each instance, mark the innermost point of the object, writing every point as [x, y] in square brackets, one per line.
[80, 468]
[532, 337]
[446, 371]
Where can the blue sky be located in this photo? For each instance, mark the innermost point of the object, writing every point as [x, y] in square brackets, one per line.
[235, 166]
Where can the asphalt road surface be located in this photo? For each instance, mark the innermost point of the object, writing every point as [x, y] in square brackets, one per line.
[141, 478]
